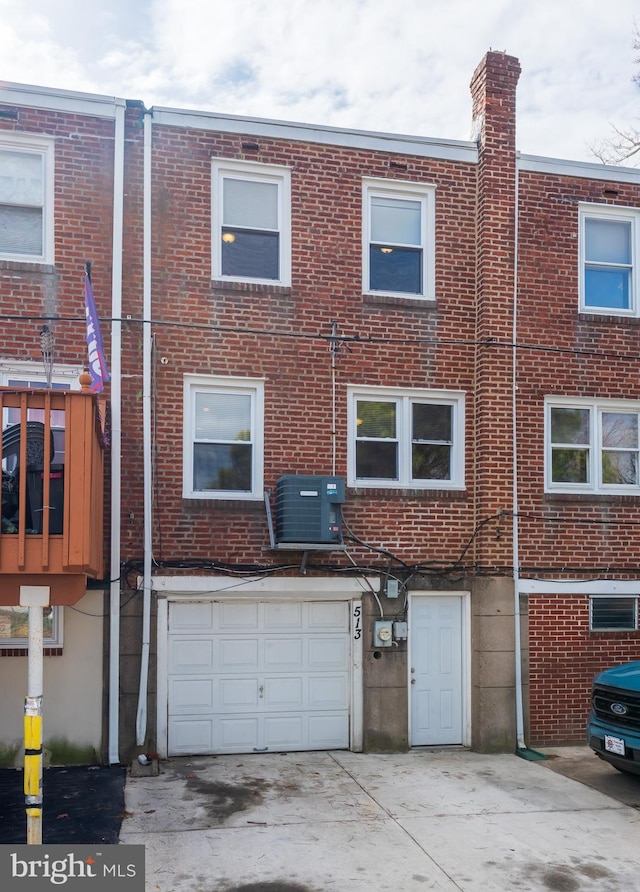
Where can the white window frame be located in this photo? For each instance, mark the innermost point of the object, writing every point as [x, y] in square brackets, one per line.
[615, 214]
[253, 387]
[604, 631]
[596, 409]
[45, 149]
[56, 639]
[404, 397]
[223, 169]
[33, 373]
[403, 191]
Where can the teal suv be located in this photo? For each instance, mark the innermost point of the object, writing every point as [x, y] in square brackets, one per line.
[613, 727]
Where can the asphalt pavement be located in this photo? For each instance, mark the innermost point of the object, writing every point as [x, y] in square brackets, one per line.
[581, 764]
[81, 804]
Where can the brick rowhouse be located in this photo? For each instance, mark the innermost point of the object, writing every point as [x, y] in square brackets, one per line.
[504, 263]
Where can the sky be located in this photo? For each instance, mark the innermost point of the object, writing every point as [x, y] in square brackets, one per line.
[393, 66]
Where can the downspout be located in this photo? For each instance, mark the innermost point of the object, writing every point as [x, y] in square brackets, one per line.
[141, 717]
[520, 744]
[116, 434]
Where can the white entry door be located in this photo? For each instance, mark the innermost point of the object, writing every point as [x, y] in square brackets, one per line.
[258, 676]
[435, 672]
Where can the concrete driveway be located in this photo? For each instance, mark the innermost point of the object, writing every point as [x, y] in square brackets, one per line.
[337, 821]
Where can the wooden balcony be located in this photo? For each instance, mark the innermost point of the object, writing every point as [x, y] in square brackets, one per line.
[52, 492]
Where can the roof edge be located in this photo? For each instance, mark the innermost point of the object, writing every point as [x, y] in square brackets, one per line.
[29, 96]
[584, 169]
[455, 150]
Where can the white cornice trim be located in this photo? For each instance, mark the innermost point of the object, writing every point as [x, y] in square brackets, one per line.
[328, 588]
[451, 150]
[28, 96]
[584, 169]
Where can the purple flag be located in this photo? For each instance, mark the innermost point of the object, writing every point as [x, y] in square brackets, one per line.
[97, 362]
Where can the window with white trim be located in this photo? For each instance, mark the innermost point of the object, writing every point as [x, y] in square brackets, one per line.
[613, 613]
[31, 375]
[398, 239]
[608, 260]
[223, 437]
[592, 446]
[26, 199]
[405, 438]
[14, 627]
[251, 222]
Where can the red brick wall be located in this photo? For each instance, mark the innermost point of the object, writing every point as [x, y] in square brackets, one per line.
[412, 344]
[564, 658]
[566, 353]
[597, 533]
[83, 231]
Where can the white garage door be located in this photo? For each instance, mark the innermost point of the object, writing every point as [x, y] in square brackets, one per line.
[258, 676]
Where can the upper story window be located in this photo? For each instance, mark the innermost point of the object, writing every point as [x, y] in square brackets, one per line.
[26, 199]
[251, 222]
[608, 257]
[223, 437]
[592, 446]
[398, 238]
[406, 438]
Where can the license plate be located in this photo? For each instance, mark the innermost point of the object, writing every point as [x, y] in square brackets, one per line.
[614, 745]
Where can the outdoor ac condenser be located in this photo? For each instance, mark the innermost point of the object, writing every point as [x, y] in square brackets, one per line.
[308, 509]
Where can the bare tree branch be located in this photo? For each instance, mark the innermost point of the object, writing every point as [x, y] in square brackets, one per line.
[624, 145]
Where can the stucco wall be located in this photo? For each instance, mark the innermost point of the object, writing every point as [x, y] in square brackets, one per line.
[72, 701]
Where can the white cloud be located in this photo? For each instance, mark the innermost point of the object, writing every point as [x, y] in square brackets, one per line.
[369, 64]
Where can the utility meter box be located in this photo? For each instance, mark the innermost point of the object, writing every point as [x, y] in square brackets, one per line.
[383, 633]
[309, 509]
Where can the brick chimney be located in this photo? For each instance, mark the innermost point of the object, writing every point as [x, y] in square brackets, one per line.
[493, 88]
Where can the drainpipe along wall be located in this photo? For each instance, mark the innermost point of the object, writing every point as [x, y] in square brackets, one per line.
[116, 435]
[516, 553]
[141, 717]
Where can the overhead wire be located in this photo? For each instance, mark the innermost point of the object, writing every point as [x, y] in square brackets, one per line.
[333, 340]
[330, 338]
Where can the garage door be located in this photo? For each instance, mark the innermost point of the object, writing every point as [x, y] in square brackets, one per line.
[258, 676]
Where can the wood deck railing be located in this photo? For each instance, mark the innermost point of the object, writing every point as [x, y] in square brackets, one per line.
[52, 492]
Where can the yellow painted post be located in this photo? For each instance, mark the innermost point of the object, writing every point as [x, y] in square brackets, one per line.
[35, 597]
[33, 767]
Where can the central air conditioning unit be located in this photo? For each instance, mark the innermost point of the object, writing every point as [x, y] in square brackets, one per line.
[308, 509]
